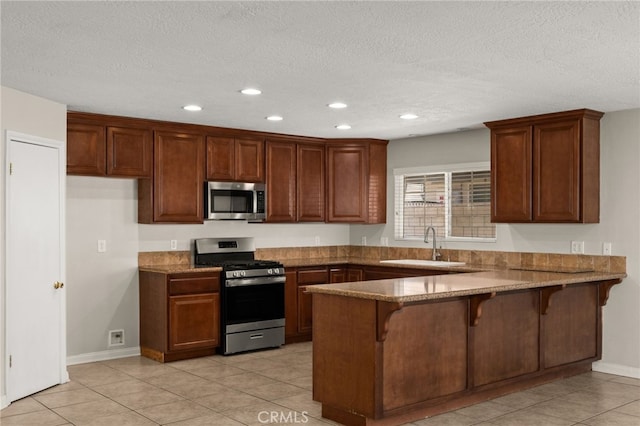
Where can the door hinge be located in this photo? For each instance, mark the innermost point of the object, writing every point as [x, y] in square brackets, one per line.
[10, 169]
[10, 361]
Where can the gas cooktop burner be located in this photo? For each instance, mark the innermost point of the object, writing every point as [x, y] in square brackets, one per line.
[236, 265]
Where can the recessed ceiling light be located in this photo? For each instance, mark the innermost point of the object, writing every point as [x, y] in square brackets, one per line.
[250, 91]
[408, 116]
[274, 118]
[337, 105]
[192, 107]
[343, 127]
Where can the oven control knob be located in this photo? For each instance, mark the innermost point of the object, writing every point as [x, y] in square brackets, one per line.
[243, 273]
[269, 271]
[276, 271]
[236, 274]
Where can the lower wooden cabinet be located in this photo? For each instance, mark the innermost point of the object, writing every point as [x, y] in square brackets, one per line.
[194, 321]
[179, 315]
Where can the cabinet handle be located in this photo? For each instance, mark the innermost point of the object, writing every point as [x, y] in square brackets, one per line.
[256, 336]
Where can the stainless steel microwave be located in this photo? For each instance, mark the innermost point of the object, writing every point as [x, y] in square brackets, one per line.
[235, 201]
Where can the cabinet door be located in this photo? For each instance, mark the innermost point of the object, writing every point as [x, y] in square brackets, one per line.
[86, 145]
[337, 275]
[291, 303]
[310, 183]
[129, 152]
[249, 156]
[178, 177]
[194, 321]
[355, 274]
[511, 188]
[304, 310]
[220, 158]
[556, 172]
[308, 276]
[347, 189]
[281, 185]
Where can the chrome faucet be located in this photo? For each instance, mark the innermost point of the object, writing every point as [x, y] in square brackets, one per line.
[434, 253]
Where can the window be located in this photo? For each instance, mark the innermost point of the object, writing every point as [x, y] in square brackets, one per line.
[455, 200]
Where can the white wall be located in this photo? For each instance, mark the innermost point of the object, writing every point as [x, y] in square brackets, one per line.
[24, 113]
[619, 221]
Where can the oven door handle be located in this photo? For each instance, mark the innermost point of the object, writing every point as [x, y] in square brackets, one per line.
[239, 282]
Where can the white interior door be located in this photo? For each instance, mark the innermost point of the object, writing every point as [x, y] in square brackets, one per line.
[35, 321]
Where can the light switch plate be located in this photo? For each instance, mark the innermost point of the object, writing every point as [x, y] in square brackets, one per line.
[102, 246]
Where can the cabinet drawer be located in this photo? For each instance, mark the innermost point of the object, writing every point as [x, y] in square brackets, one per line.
[189, 285]
[313, 276]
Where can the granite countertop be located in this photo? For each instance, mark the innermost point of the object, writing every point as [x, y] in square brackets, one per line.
[415, 289]
[177, 268]
[338, 261]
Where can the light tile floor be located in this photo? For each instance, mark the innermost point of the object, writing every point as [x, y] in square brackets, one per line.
[246, 389]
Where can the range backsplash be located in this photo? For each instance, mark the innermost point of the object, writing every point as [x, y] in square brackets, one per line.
[480, 258]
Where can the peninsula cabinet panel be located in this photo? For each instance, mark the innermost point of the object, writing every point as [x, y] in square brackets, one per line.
[233, 159]
[570, 326]
[86, 149]
[412, 330]
[546, 168]
[175, 194]
[281, 182]
[504, 349]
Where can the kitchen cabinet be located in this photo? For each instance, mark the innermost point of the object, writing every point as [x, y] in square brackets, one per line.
[235, 159]
[546, 168]
[357, 181]
[97, 149]
[344, 274]
[175, 193]
[179, 315]
[306, 277]
[296, 181]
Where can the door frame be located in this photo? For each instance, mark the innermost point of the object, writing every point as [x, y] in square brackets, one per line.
[60, 146]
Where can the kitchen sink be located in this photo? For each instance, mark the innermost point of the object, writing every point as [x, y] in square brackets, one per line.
[421, 262]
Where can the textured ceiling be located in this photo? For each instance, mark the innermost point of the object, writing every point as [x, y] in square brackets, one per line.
[454, 64]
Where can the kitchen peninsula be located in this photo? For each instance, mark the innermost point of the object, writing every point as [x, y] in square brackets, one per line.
[393, 351]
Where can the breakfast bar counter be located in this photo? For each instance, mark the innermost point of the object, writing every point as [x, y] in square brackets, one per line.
[394, 351]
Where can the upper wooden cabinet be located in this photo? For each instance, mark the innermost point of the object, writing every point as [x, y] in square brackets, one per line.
[295, 181]
[175, 194]
[233, 159]
[97, 149]
[357, 181]
[546, 168]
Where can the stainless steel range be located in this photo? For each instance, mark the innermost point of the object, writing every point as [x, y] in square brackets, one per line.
[252, 294]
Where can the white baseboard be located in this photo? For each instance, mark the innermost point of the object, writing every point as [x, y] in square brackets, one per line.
[618, 370]
[103, 355]
[3, 402]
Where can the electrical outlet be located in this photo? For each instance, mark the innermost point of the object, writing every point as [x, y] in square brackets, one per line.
[102, 246]
[577, 247]
[364, 241]
[116, 338]
[384, 241]
[606, 249]
[174, 244]
[317, 240]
